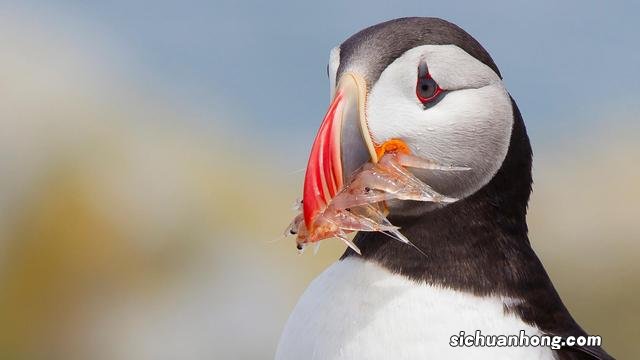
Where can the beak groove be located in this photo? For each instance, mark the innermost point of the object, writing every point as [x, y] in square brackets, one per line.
[342, 144]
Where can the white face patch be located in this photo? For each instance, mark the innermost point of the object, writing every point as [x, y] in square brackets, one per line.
[469, 126]
[334, 62]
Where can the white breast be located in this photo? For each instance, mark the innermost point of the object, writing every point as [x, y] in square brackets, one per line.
[359, 310]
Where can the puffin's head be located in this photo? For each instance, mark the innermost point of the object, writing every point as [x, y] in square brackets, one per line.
[422, 84]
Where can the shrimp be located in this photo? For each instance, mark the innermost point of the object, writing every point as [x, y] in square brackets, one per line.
[361, 204]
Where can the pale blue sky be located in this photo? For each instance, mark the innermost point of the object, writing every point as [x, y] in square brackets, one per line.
[567, 63]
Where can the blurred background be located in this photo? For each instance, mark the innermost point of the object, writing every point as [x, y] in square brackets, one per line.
[150, 153]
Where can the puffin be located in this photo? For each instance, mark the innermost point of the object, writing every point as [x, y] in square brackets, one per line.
[428, 84]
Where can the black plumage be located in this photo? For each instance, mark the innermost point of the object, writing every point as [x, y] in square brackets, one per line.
[479, 244]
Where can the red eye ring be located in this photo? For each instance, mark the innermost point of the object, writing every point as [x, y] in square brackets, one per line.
[427, 89]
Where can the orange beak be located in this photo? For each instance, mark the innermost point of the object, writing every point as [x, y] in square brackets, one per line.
[342, 145]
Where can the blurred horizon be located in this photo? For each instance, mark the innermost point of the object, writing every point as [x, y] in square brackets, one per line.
[151, 152]
[209, 57]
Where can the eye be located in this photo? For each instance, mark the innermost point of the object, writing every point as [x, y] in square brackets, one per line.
[427, 89]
